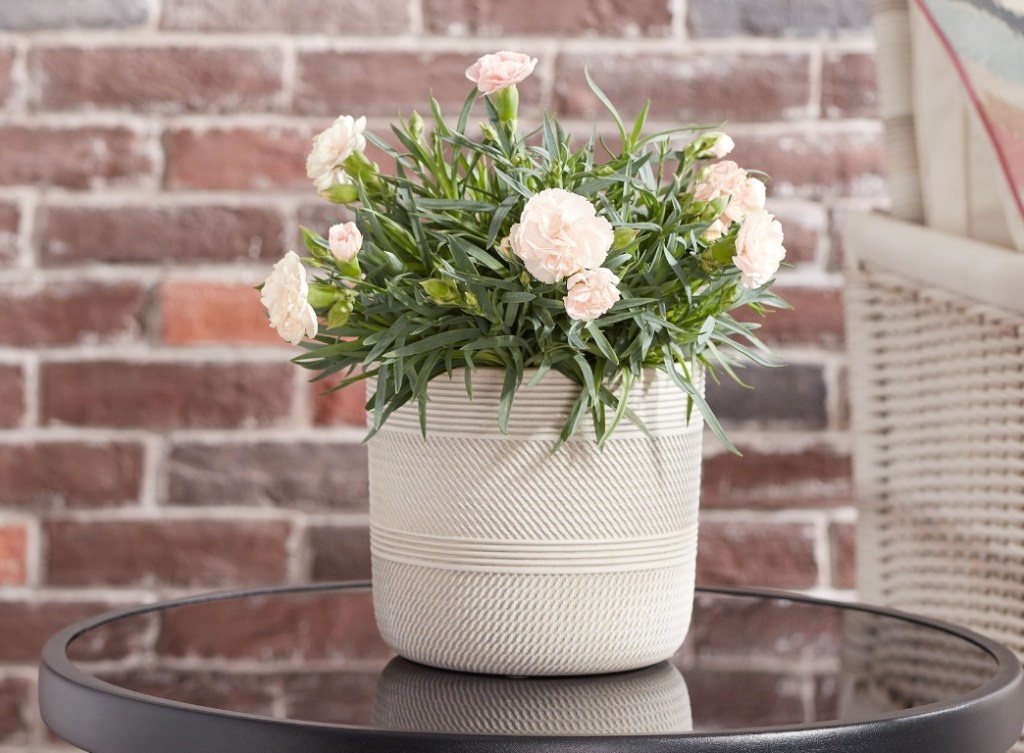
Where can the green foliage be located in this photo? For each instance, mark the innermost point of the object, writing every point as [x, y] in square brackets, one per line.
[435, 289]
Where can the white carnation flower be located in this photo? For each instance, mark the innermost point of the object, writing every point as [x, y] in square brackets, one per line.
[759, 249]
[721, 145]
[285, 295]
[331, 148]
[345, 240]
[559, 234]
[591, 293]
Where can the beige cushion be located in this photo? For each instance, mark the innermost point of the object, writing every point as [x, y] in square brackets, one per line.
[964, 188]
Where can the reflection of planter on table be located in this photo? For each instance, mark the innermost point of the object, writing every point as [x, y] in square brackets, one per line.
[421, 699]
[493, 554]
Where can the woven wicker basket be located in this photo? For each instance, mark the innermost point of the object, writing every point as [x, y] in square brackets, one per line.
[493, 555]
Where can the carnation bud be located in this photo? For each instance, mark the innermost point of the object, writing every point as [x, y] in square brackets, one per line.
[623, 237]
[440, 291]
[416, 126]
[321, 295]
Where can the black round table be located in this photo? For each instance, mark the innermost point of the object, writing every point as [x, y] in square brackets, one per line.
[304, 670]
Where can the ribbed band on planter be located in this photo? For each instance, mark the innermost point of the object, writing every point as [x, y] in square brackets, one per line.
[493, 555]
[648, 701]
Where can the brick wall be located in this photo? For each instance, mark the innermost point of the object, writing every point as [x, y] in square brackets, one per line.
[153, 438]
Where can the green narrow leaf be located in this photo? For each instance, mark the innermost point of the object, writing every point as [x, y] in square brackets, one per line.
[434, 341]
[508, 391]
[602, 343]
[506, 206]
[588, 376]
[572, 422]
[471, 249]
[607, 104]
[638, 126]
[620, 403]
[466, 109]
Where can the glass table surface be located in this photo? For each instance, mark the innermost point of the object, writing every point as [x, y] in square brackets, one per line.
[294, 669]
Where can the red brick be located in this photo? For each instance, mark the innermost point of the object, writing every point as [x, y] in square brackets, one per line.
[402, 82]
[345, 407]
[838, 216]
[818, 164]
[331, 697]
[10, 220]
[339, 552]
[304, 475]
[247, 693]
[157, 79]
[12, 395]
[735, 699]
[166, 552]
[816, 319]
[203, 313]
[15, 701]
[273, 158]
[60, 14]
[66, 313]
[320, 214]
[166, 395]
[173, 234]
[843, 546]
[734, 553]
[25, 626]
[7, 55]
[87, 157]
[791, 396]
[13, 554]
[849, 88]
[341, 17]
[752, 629]
[775, 18]
[804, 228]
[689, 87]
[293, 627]
[813, 477]
[59, 475]
[479, 18]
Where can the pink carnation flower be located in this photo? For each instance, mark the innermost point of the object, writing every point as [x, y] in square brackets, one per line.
[559, 234]
[591, 293]
[500, 70]
[759, 249]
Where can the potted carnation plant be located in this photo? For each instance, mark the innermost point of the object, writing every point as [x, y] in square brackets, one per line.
[535, 318]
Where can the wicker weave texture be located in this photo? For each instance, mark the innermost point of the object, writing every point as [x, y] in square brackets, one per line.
[493, 555]
[938, 395]
[648, 701]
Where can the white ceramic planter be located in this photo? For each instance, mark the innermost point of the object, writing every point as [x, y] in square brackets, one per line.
[493, 555]
[650, 701]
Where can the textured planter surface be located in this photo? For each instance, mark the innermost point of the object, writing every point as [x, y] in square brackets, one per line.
[490, 554]
[651, 701]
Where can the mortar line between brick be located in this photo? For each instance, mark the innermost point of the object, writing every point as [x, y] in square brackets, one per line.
[289, 75]
[148, 124]
[822, 551]
[832, 372]
[156, 15]
[33, 553]
[154, 462]
[30, 387]
[420, 42]
[678, 8]
[18, 100]
[815, 80]
[297, 553]
[416, 26]
[244, 436]
[28, 231]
